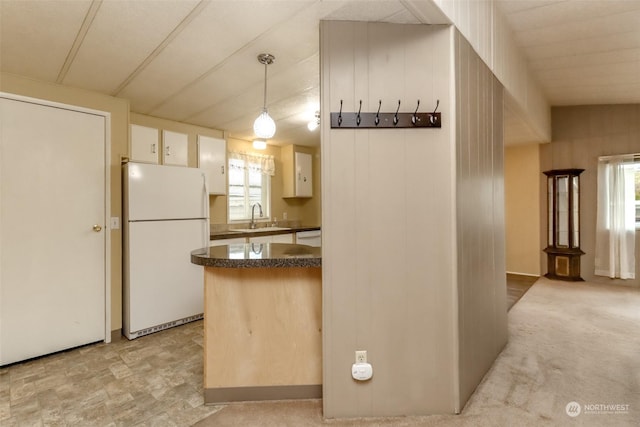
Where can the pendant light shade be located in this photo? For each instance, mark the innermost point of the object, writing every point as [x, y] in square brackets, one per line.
[264, 127]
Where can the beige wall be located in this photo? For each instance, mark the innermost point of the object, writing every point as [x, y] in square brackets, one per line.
[522, 208]
[481, 279]
[119, 110]
[580, 135]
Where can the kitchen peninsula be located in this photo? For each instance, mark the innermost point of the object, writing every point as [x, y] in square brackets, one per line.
[263, 321]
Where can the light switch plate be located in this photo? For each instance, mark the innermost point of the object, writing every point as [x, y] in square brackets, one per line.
[115, 223]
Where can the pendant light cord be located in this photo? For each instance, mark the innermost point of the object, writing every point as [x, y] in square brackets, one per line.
[264, 105]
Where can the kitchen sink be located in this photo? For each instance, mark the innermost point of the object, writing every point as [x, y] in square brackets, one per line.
[260, 229]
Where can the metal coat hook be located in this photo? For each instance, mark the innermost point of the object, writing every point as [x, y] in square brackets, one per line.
[340, 114]
[395, 117]
[433, 118]
[377, 119]
[414, 118]
[358, 116]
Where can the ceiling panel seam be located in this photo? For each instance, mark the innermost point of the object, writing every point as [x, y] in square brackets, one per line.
[235, 95]
[224, 61]
[279, 100]
[172, 35]
[82, 33]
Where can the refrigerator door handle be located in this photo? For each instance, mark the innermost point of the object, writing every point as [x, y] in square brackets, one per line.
[205, 197]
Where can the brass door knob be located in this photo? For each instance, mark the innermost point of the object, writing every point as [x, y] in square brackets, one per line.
[97, 228]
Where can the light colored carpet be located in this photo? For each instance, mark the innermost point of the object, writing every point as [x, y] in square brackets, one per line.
[568, 342]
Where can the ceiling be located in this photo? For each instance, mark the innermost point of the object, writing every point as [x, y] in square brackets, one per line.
[196, 61]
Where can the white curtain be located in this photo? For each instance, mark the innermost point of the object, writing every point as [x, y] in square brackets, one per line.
[262, 163]
[616, 228]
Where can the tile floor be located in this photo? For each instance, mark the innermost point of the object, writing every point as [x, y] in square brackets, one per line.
[155, 380]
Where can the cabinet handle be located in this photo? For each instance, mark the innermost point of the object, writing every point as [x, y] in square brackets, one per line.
[168, 153]
[222, 169]
[153, 148]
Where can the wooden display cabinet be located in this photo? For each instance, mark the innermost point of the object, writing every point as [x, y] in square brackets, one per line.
[563, 224]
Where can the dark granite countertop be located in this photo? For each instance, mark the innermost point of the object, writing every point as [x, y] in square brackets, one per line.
[258, 255]
[263, 231]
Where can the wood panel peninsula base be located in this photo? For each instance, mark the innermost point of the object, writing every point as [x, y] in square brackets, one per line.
[262, 322]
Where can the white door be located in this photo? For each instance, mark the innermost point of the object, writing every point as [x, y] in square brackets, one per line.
[52, 261]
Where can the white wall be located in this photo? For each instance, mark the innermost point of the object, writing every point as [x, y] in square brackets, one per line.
[388, 222]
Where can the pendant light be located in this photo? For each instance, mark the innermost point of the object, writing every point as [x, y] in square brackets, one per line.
[264, 127]
[313, 124]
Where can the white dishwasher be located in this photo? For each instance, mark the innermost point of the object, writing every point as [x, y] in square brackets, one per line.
[309, 238]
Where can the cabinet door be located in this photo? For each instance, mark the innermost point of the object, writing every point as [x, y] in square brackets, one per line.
[174, 147]
[304, 184]
[212, 158]
[309, 238]
[282, 238]
[144, 144]
[223, 242]
[260, 239]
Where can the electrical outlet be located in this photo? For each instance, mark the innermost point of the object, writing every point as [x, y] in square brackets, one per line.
[361, 356]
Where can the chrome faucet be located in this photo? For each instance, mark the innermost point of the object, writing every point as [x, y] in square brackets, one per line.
[252, 225]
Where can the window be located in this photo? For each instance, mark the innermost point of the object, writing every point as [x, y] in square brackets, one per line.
[249, 183]
[617, 216]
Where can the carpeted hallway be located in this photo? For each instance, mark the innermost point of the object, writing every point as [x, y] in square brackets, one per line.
[568, 342]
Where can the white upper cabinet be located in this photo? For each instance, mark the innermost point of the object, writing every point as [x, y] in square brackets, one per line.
[212, 158]
[175, 148]
[297, 172]
[145, 145]
[304, 187]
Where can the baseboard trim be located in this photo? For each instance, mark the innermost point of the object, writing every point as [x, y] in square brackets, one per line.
[247, 394]
[116, 335]
[513, 273]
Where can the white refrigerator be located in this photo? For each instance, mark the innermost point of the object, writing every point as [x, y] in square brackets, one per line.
[166, 216]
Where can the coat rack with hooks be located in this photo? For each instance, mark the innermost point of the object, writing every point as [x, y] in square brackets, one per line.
[378, 120]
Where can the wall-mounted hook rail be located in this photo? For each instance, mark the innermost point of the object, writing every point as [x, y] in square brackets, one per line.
[378, 120]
